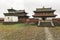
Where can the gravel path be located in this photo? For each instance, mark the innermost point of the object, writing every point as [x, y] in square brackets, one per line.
[48, 34]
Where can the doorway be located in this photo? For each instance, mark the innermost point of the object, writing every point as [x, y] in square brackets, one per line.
[43, 18]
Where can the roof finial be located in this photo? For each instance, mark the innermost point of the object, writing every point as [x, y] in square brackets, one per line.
[11, 7]
[43, 7]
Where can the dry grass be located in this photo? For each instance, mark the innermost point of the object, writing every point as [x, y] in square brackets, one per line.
[21, 32]
[56, 32]
[26, 32]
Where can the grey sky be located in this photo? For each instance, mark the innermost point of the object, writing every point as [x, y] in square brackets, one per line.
[29, 5]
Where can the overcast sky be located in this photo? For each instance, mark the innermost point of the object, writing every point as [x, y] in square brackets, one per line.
[29, 5]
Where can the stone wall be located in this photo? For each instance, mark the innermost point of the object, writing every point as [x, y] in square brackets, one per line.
[1, 20]
[56, 21]
[32, 21]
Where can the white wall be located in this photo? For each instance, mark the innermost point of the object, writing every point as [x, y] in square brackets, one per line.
[49, 18]
[11, 19]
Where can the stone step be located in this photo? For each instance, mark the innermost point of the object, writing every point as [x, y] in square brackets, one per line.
[45, 24]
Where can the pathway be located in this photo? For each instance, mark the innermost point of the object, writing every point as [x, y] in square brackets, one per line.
[48, 34]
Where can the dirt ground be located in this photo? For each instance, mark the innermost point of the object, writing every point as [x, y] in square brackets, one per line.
[28, 33]
[55, 31]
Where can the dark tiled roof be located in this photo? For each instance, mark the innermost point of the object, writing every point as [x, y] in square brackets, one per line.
[14, 14]
[16, 11]
[19, 11]
[43, 9]
[11, 9]
[44, 15]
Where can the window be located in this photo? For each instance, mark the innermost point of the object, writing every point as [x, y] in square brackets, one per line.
[8, 17]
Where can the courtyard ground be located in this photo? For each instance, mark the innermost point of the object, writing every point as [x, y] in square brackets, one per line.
[55, 32]
[28, 32]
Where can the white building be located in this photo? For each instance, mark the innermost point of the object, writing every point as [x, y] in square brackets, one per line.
[15, 15]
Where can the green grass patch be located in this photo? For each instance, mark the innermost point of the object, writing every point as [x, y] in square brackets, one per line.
[17, 25]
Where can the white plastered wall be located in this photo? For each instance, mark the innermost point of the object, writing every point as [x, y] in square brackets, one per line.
[50, 18]
[11, 19]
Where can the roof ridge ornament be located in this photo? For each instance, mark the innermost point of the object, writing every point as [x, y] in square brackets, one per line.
[11, 7]
[43, 7]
